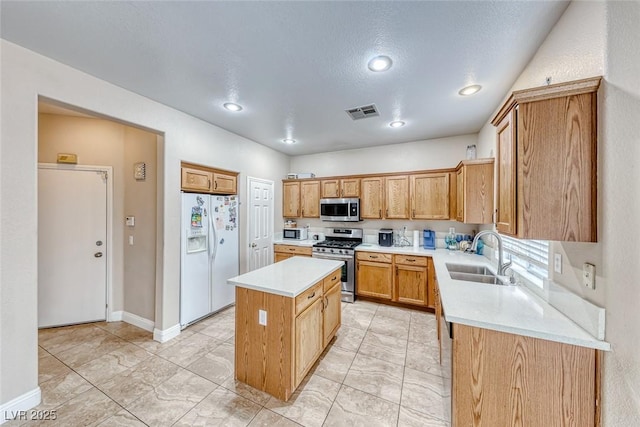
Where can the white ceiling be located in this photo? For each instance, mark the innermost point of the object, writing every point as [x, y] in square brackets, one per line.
[296, 66]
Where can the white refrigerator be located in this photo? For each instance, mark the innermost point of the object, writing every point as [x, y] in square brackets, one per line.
[209, 254]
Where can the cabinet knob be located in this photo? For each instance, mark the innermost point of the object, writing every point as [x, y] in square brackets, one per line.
[312, 295]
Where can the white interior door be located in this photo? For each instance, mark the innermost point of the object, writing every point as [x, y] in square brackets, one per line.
[72, 246]
[260, 222]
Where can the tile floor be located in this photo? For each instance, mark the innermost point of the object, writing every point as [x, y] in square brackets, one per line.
[381, 370]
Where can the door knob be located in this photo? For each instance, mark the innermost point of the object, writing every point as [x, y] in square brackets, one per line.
[99, 243]
[98, 254]
[253, 245]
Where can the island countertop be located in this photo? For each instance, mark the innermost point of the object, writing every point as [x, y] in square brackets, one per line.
[288, 278]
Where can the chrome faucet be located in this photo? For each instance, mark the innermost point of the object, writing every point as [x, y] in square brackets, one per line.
[502, 267]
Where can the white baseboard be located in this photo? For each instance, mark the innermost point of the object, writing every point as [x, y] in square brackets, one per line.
[115, 316]
[167, 334]
[18, 408]
[138, 321]
[132, 319]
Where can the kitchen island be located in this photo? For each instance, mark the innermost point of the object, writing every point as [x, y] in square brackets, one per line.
[286, 314]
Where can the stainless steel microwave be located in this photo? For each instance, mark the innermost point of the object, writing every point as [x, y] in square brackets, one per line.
[294, 233]
[340, 210]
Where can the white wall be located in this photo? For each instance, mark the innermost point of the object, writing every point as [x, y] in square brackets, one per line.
[429, 154]
[24, 76]
[591, 39]
[620, 200]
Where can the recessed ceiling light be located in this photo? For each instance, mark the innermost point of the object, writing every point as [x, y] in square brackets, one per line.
[380, 63]
[232, 107]
[469, 90]
[289, 141]
[397, 124]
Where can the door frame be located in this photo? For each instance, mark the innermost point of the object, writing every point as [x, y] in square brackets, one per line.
[251, 179]
[108, 170]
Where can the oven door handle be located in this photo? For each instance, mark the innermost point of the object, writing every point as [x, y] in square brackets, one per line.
[332, 256]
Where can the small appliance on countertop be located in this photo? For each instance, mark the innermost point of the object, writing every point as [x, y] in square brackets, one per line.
[429, 237]
[295, 233]
[385, 237]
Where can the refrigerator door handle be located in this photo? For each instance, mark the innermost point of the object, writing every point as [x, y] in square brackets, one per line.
[214, 237]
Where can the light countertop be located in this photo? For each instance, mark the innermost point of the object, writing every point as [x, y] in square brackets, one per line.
[288, 278]
[295, 242]
[511, 309]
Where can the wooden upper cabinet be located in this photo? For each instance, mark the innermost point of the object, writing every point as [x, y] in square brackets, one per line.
[343, 188]
[203, 179]
[430, 196]
[196, 180]
[554, 136]
[330, 188]
[474, 191]
[396, 198]
[460, 195]
[224, 183]
[291, 199]
[371, 203]
[310, 199]
[507, 176]
[350, 188]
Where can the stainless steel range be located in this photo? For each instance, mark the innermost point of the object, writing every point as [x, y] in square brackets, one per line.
[340, 245]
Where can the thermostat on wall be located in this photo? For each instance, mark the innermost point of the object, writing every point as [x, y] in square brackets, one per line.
[140, 171]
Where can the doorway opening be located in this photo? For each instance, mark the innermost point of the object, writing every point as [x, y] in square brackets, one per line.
[81, 139]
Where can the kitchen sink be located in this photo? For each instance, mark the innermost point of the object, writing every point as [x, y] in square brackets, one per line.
[473, 273]
[479, 278]
[471, 269]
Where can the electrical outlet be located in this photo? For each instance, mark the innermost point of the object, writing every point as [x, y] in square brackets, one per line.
[589, 275]
[262, 317]
[557, 263]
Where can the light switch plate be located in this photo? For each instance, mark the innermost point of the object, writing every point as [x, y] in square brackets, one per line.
[589, 275]
[557, 263]
[262, 317]
[130, 221]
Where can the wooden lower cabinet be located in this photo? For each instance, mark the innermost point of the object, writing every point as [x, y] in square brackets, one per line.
[410, 281]
[405, 279]
[282, 252]
[309, 341]
[276, 357]
[502, 379]
[332, 312]
[374, 276]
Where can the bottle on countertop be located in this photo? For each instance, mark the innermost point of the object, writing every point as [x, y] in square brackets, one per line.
[450, 239]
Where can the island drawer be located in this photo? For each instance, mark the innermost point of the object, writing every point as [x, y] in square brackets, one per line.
[410, 260]
[331, 280]
[298, 250]
[308, 297]
[373, 256]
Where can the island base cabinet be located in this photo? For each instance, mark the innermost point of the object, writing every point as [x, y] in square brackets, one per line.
[263, 356]
[502, 379]
[275, 357]
[309, 339]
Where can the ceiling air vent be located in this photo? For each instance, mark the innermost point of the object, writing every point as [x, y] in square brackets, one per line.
[363, 112]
